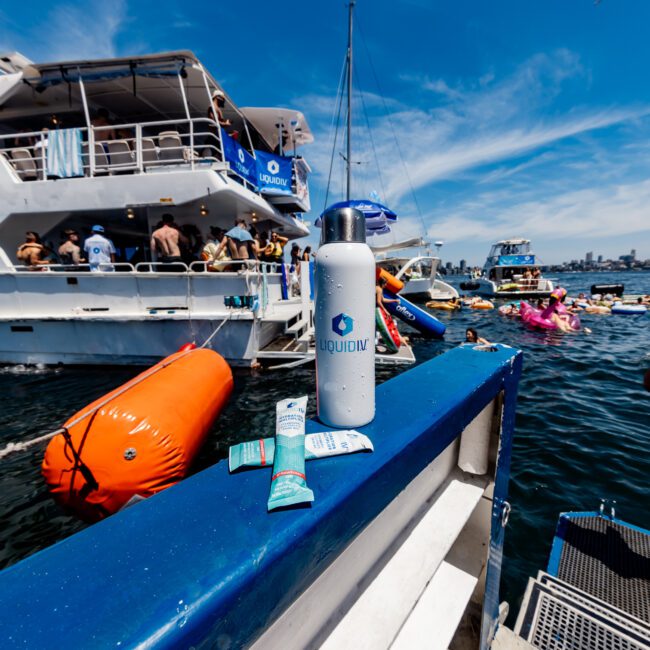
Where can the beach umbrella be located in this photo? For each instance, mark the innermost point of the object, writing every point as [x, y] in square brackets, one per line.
[378, 217]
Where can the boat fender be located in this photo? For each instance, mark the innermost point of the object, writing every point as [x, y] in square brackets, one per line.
[140, 438]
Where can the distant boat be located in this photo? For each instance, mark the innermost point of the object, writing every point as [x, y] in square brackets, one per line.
[504, 270]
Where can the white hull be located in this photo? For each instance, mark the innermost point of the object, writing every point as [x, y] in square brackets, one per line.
[138, 317]
[489, 289]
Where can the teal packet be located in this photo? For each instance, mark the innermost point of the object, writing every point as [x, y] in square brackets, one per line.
[261, 452]
[288, 482]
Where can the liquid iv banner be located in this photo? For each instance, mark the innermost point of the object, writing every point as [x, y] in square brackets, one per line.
[240, 160]
[273, 173]
[514, 260]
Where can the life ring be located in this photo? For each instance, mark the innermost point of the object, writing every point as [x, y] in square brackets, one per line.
[387, 330]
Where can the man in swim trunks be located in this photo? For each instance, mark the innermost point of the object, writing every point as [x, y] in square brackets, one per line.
[167, 240]
[32, 252]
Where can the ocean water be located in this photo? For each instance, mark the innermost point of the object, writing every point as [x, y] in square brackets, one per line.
[582, 430]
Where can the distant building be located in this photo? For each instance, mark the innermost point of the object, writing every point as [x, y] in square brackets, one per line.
[633, 254]
[600, 259]
[463, 265]
[589, 258]
[449, 266]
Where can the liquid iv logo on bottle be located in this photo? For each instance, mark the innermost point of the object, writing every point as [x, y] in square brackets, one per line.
[342, 324]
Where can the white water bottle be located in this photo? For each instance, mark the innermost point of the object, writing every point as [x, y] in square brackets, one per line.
[345, 321]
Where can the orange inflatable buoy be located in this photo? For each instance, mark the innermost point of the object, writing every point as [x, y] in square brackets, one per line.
[142, 440]
[392, 283]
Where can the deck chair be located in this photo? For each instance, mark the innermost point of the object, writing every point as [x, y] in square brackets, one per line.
[24, 164]
[120, 154]
[149, 152]
[170, 146]
[101, 159]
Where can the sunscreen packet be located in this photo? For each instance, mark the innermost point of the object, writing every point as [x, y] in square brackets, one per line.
[259, 453]
[288, 482]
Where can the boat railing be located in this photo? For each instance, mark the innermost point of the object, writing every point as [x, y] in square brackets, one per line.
[198, 267]
[148, 147]
[123, 148]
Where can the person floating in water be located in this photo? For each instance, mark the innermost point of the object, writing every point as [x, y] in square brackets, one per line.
[472, 336]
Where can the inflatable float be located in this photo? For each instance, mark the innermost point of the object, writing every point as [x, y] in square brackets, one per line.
[446, 305]
[620, 308]
[392, 283]
[542, 319]
[482, 304]
[387, 330]
[140, 438]
[417, 318]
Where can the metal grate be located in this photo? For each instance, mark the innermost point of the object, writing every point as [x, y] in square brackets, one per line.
[572, 594]
[608, 561]
[552, 622]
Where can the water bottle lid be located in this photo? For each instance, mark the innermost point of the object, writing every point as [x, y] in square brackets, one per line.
[343, 225]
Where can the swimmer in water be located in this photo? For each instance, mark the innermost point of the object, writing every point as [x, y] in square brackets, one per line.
[471, 336]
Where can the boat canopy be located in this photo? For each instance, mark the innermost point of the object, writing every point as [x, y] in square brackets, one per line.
[413, 242]
[9, 85]
[132, 89]
[270, 122]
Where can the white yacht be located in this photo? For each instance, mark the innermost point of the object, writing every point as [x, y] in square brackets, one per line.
[418, 272]
[503, 275]
[155, 149]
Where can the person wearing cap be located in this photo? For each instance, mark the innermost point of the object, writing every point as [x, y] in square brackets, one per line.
[100, 251]
[215, 113]
[70, 251]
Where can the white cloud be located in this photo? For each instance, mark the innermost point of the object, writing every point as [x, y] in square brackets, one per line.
[71, 31]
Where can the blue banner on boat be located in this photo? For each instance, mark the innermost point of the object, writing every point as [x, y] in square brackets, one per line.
[240, 160]
[513, 260]
[273, 173]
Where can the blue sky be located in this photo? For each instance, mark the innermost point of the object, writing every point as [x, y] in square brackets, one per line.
[513, 118]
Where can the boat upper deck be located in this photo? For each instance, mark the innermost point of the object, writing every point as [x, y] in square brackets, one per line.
[145, 115]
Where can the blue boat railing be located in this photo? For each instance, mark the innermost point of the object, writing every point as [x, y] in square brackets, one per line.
[203, 564]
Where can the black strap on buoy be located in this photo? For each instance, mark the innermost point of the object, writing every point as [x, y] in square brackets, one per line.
[91, 481]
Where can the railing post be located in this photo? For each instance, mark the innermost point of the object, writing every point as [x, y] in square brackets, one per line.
[138, 148]
[91, 151]
[192, 145]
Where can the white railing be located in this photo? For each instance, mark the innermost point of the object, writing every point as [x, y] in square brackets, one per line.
[122, 148]
[180, 268]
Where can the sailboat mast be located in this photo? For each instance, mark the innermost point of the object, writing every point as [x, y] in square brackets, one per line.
[348, 158]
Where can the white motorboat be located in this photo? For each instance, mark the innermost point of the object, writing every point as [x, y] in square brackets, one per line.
[419, 272]
[510, 271]
[160, 151]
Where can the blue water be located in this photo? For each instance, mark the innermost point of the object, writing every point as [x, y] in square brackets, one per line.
[582, 430]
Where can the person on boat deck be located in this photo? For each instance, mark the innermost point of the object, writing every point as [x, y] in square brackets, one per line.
[307, 254]
[166, 241]
[32, 252]
[102, 120]
[275, 250]
[239, 242]
[381, 301]
[260, 242]
[295, 256]
[471, 336]
[100, 251]
[215, 113]
[218, 258]
[70, 251]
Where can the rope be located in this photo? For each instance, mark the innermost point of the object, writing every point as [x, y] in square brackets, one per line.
[12, 447]
[339, 93]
